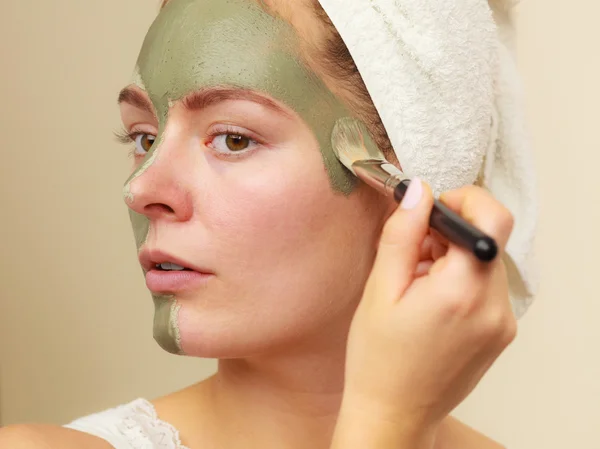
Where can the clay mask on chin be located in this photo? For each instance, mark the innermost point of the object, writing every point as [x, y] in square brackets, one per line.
[197, 44]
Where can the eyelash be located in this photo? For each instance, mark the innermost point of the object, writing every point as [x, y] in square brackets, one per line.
[225, 130]
[127, 137]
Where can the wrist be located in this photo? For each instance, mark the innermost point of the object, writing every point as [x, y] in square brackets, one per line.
[361, 425]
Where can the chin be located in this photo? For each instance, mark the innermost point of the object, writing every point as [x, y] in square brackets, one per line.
[238, 340]
[227, 326]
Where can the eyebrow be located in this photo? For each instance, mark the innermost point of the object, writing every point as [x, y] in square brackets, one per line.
[135, 98]
[203, 99]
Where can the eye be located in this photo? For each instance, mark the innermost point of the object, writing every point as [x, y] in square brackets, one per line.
[143, 143]
[227, 144]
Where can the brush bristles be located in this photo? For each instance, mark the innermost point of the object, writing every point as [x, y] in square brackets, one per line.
[351, 142]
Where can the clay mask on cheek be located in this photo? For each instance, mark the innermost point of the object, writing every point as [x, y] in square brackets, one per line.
[198, 44]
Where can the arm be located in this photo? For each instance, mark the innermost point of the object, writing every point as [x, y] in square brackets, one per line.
[420, 341]
[48, 437]
[360, 432]
[359, 428]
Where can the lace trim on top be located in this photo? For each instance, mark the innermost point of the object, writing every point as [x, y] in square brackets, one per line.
[143, 423]
[133, 426]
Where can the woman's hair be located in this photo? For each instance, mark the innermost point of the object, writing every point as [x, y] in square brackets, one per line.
[335, 59]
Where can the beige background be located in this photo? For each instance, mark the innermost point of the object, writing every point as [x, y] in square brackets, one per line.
[75, 319]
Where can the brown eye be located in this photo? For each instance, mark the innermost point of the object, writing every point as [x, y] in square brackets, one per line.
[230, 143]
[143, 143]
[236, 142]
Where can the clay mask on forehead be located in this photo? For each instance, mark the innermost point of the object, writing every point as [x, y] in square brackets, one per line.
[197, 44]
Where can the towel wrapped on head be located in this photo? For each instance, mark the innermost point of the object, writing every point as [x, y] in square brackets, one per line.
[442, 76]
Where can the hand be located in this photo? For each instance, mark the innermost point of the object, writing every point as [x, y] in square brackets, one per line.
[432, 319]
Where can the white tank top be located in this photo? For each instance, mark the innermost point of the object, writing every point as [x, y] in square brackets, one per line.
[130, 426]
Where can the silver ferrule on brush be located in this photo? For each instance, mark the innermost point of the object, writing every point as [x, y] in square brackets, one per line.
[379, 174]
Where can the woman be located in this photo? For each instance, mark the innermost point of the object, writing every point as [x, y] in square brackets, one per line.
[338, 320]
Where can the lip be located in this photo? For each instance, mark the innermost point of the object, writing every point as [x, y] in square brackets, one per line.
[159, 281]
[150, 257]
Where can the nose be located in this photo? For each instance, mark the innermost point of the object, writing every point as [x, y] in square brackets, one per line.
[158, 189]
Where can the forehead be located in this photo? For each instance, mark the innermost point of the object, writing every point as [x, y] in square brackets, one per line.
[195, 44]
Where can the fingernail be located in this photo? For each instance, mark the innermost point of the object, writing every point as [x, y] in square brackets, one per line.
[413, 195]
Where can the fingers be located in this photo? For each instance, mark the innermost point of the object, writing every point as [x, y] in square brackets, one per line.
[432, 249]
[434, 246]
[423, 268]
[409, 249]
[439, 247]
[400, 246]
[426, 248]
[481, 209]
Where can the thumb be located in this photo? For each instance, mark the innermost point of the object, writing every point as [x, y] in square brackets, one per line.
[400, 244]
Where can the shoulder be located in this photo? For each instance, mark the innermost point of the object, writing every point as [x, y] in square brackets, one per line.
[29, 436]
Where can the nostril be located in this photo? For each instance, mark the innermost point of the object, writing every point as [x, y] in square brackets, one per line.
[159, 208]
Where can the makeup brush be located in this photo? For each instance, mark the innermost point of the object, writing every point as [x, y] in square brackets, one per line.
[355, 149]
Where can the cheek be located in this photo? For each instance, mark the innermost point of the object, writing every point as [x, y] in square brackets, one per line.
[287, 233]
[257, 202]
[291, 254]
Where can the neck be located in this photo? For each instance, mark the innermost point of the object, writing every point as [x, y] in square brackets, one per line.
[289, 399]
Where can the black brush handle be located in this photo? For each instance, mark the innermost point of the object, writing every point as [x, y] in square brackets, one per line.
[455, 228]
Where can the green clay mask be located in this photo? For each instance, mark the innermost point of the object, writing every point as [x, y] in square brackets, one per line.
[198, 44]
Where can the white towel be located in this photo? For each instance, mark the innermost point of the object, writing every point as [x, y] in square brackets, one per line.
[443, 79]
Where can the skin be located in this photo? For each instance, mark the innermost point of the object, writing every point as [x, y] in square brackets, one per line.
[291, 263]
[291, 255]
[189, 34]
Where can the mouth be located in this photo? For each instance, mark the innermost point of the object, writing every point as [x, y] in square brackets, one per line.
[168, 274]
[155, 259]
[170, 266]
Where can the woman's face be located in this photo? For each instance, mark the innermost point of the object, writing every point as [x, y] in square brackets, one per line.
[235, 180]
